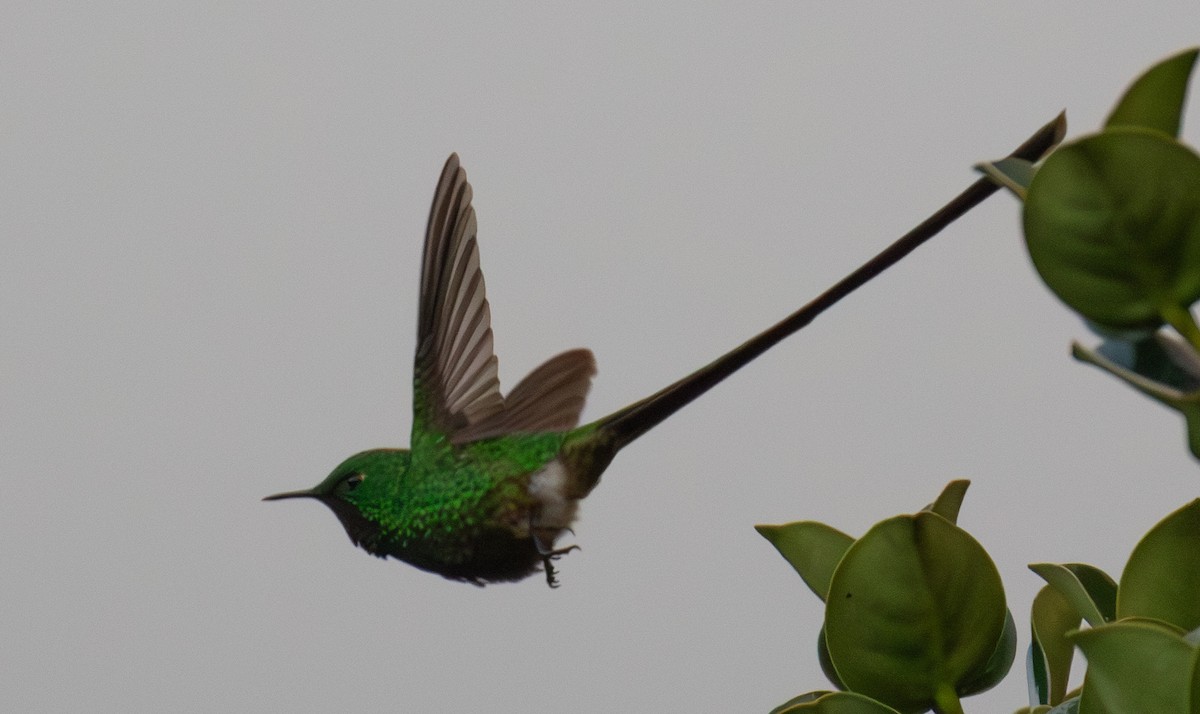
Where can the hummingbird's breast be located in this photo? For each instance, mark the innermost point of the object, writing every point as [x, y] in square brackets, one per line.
[514, 542]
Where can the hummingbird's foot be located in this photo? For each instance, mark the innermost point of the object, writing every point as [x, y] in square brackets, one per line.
[548, 558]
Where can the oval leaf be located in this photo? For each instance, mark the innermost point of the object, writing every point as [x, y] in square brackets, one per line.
[999, 663]
[812, 548]
[1089, 589]
[827, 663]
[1137, 667]
[1112, 223]
[834, 703]
[915, 610]
[1155, 100]
[800, 699]
[1162, 578]
[1051, 618]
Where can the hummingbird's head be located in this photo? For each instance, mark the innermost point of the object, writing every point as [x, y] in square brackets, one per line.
[353, 487]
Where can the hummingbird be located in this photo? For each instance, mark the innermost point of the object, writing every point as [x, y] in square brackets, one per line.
[491, 482]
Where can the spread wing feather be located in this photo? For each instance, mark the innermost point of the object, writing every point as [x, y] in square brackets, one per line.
[456, 382]
[550, 399]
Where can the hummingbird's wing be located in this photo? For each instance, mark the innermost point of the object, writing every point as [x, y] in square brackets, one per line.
[455, 379]
[456, 387]
[549, 399]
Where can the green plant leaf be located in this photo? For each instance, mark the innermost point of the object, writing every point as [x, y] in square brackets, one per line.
[833, 703]
[1011, 173]
[827, 663]
[1112, 223]
[1159, 357]
[805, 698]
[999, 664]
[1089, 589]
[915, 610]
[1146, 384]
[1052, 616]
[949, 501]
[1186, 403]
[1162, 578]
[812, 548]
[1037, 675]
[1155, 100]
[1137, 668]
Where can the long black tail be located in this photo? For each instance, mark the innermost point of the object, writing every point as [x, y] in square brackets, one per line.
[620, 428]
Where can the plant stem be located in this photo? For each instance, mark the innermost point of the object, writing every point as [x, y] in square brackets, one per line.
[945, 701]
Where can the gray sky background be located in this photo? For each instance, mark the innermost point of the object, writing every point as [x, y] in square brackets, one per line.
[212, 223]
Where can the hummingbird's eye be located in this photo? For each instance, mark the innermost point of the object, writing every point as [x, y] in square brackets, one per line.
[351, 482]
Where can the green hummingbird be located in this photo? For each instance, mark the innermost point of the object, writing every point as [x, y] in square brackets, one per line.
[491, 482]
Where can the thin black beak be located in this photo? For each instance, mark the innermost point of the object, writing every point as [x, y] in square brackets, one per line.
[305, 493]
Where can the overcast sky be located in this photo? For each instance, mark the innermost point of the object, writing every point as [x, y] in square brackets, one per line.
[212, 222]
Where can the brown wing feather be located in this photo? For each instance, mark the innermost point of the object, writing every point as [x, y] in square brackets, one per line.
[456, 383]
[550, 399]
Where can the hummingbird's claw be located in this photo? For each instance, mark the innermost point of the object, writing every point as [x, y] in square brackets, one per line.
[548, 558]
